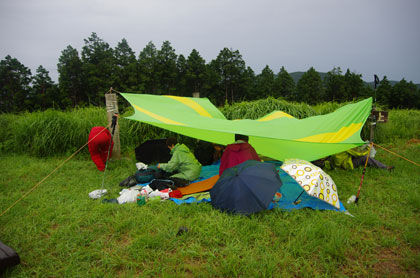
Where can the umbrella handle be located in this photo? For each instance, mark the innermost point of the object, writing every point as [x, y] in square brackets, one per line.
[298, 197]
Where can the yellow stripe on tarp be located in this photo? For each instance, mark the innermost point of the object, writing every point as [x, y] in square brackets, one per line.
[276, 115]
[192, 104]
[333, 137]
[156, 116]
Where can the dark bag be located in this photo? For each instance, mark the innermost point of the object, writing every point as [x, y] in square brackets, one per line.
[8, 257]
[129, 182]
[144, 175]
[161, 184]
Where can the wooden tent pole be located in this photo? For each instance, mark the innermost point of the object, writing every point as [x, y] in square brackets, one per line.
[111, 102]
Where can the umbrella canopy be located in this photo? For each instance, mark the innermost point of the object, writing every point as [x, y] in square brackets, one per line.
[246, 188]
[312, 180]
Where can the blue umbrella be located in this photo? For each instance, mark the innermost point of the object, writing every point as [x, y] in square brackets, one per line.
[246, 188]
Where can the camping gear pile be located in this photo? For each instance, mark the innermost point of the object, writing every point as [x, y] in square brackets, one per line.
[146, 182]
[247, 188]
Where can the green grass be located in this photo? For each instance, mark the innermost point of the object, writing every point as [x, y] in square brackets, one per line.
[59, 232]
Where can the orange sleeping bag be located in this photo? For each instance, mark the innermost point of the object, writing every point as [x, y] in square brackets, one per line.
[200, 186]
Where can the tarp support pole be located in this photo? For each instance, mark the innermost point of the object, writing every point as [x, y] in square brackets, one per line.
[111, 102]
[372, 134]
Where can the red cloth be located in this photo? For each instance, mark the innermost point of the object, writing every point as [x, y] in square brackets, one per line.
[235, 154]
[99, 146]
[175, 194]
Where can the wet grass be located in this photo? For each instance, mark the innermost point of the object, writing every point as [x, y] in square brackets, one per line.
[59, 232]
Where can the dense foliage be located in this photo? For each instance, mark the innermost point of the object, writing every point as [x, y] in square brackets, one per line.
[85, 76]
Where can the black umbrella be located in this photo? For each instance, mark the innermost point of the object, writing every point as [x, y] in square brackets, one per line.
[246, 188]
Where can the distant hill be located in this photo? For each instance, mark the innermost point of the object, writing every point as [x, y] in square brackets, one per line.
[298, 74]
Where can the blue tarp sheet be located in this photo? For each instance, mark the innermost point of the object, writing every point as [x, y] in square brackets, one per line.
[289, 190]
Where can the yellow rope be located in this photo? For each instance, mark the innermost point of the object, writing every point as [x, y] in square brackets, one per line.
[397, 155]
[58, 167]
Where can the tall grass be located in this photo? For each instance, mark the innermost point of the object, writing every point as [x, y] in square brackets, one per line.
[55, 133]
[402, 124]
[50, 132]
[256, 109]
[327, 107]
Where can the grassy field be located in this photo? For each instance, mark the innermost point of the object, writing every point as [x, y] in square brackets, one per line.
[59, 232]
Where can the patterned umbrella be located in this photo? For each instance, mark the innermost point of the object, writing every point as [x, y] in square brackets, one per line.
[313, 180]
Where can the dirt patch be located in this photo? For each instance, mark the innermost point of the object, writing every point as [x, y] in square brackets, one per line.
[389, 265]
[125, 241]
[413, 141]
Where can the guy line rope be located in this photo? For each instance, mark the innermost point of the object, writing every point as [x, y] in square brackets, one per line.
[397, 155]
[52, 172]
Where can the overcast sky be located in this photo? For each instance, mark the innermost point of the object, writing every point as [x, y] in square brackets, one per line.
[366, 36]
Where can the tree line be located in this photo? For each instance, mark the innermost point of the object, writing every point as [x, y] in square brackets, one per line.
[85, 77]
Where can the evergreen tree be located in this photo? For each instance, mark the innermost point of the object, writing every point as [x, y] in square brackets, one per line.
[284, 85]
[230, 66]
[265, 83]
[181, 80]
[354, 86]
[383, 91]
[334, 85]
[98, 66]
[404, 95]
[166, 68]
[248, 85]
[196, 70]
[309, 88]
[126, 69]
[15, 81]
[44, 93]
[148, 69]
[71, 79]
[213, 88]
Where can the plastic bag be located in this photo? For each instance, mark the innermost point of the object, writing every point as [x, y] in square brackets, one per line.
[96, 194]
[128, 195]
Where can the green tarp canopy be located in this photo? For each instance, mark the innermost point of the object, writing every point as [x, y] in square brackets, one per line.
[276, 135]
